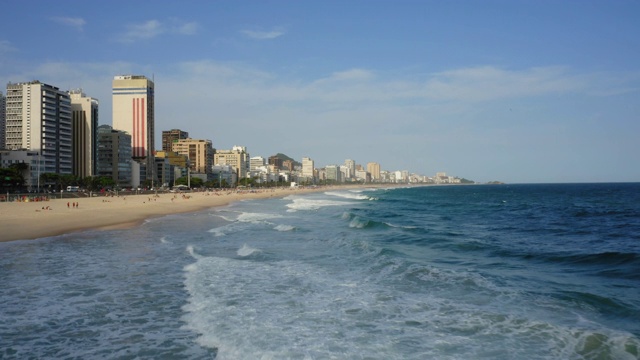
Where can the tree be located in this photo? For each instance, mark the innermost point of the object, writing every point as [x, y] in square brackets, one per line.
[106, 182]
[66, 180]
[181, 181]
[12, 177]
[195, 182]
[246, 182]
[50, 179]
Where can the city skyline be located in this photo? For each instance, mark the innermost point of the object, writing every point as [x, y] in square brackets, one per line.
[496, 90]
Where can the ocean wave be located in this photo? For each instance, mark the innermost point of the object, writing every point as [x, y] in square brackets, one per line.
[306, 204]
[219, 231]
[359, 223]
[256, 217]
[246, 250]
[408, 227]
[225, 217]
[348, 195]
[283, 227]
[604, 305]
[604, 258]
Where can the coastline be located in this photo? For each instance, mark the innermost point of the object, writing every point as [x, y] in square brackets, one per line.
[34, 220]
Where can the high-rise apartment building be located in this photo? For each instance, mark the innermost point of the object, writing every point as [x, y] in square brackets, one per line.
[38, 118]
[332, 173]
[288, 165]
[237, 157]
[114, 155]
[199, 152]
[374, 169]
[84, 115]
[351, 165]
[133, 112]
[308, 169]
[169, 136]
[275, 161]
[2, 122]
[256, 162]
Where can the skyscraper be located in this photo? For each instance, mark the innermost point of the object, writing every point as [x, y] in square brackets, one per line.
[2, 122]
[38, 118]
[84, 129]
[133, 112]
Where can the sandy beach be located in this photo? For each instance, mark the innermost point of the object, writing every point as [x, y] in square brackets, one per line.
[32, 220]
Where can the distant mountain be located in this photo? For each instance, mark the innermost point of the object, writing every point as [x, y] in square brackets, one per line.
[284, 157]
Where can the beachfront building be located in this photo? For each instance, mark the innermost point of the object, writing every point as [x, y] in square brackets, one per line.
[133, 112]
[174, 158]
[333, 173]
[2, 121]
[199, 152]
[84, 127]
[34, 163]
[351, 165]
[308, 170]
[373, 168]
[275, 162]
[178, 165]
[38, 118]
[224, 175]
[236, 157]
[363, 175]
[165, 172]
[114, 155]
[256, 162]
[169, 136]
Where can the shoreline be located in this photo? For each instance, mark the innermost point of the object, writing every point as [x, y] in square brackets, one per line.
[40, 219]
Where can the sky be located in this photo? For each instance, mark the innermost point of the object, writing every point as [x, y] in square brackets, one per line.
[515, 91]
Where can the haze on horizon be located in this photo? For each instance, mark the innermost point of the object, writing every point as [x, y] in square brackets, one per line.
[516, 91]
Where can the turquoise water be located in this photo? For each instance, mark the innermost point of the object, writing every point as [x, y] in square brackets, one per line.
[455, 272]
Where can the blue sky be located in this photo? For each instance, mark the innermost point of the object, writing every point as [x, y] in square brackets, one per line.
[517, 91]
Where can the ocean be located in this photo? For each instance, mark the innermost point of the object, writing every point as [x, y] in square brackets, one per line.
[541, 271]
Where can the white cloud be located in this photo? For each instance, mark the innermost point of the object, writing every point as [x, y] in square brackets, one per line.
[351, 75]
[190, 28]
[490, 83]
[6, 47]
[153, 28]
[77, 23]
[146, 30]
[263, 35]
